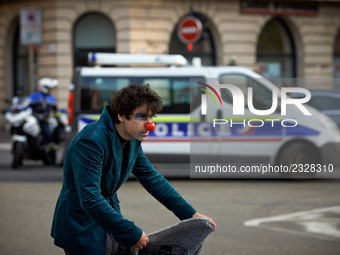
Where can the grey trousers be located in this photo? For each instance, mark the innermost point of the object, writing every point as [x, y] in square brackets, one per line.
[183, 238]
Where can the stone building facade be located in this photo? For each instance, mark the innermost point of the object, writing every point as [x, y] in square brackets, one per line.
[148, 26]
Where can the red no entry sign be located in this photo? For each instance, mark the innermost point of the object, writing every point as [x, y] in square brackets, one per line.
[189, 29]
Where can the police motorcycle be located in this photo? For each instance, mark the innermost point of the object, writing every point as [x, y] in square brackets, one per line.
[28, 142]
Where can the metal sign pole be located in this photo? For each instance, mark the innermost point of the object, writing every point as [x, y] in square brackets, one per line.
[31, 68]
[30, 34]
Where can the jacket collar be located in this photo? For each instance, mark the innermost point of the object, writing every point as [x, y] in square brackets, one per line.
[106, 119]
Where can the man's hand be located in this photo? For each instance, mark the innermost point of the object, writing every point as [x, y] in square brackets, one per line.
[143, 241]
[197, 215]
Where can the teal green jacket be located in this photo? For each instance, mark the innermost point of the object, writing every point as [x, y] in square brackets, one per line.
[92, 175]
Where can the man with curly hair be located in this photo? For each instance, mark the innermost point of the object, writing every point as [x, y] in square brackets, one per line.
[98, 161]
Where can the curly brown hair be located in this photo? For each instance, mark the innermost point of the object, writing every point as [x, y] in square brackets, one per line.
[127, 99]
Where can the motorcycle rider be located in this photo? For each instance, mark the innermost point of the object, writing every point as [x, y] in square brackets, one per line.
[43, 104]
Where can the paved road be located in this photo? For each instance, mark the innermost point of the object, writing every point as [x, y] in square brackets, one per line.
[245, 212]
[254, 216]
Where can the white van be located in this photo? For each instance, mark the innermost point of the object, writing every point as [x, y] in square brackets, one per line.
[313, 139]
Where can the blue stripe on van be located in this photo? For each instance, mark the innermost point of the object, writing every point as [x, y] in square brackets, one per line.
[181, 130]
[301, 130]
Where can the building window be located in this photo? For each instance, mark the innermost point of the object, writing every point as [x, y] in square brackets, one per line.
[92, 33]
[203, 48]
[21, 84]
[336, 63]
[276, 52]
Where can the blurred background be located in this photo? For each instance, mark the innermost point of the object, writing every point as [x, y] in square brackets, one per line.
[281, 40]
[278, 39]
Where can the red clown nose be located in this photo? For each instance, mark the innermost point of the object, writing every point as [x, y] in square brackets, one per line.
[150, 126]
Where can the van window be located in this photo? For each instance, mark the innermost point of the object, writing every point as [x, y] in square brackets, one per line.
[237, 80]
[162, 87]
[262, 97]
[96, 92]
[175, 93]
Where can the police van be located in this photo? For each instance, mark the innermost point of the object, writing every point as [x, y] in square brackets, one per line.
[247, 137]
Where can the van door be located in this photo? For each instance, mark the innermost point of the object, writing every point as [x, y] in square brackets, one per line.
[253, 138]
[171, 135]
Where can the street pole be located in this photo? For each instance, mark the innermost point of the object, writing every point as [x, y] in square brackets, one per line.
[31, 68]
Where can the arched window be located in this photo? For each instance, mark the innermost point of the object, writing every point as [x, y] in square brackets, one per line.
[336, 63]
[276, 51]
[21, 84]
[93, 32]
[203, 48]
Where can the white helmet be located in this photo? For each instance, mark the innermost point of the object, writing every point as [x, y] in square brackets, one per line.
[45, 84]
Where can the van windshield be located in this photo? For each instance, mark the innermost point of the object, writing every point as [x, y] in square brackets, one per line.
[262, 96]
[96, 92]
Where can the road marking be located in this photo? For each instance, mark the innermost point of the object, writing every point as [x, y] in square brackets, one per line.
[323, 223]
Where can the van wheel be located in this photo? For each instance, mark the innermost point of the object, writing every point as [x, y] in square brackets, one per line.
[298, 157]
[18, 154]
